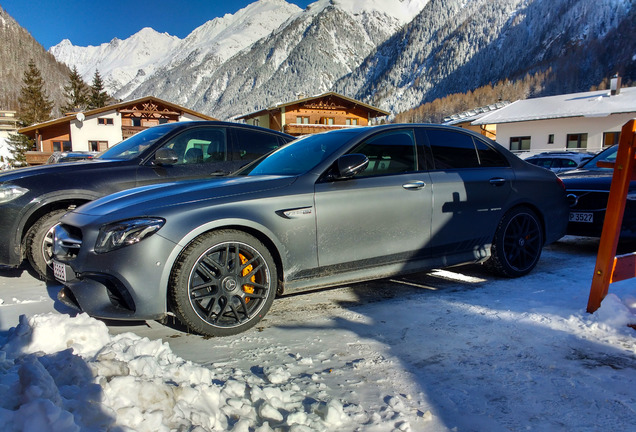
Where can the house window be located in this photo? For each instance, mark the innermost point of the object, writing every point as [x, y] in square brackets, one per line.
[136, 121]
[98, 146]
[610, 138]
[351, 122]
[105, 121]
[551, 139]
[520, 143]
[165, 120]
[577, 141]
[62, 146]
[328, 120]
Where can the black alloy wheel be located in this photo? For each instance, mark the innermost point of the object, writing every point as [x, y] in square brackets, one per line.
[517, 245]
[224, 283]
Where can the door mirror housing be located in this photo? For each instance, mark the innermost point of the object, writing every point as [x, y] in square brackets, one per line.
[165, 157]
[349, 165]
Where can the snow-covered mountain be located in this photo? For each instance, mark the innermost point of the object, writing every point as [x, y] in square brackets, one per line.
[126, 64]
[394, 54]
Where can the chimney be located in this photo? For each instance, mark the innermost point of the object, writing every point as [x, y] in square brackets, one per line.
[615, 85]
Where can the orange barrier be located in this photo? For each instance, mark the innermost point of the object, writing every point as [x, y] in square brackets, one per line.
[609, 267]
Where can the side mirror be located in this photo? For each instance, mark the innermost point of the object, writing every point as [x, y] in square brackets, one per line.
[165, 157]
[349, 165]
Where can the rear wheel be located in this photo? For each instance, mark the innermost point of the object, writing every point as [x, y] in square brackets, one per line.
[224, 283]
[517, 245]
[39, 244]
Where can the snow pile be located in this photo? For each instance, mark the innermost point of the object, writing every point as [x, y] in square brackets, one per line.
[59, 373]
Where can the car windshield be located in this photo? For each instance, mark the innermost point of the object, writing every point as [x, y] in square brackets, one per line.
[299, 156]
[607, 155]
[132, 147]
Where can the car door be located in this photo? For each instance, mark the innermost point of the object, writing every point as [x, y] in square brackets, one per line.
[201, 151]
[380, 216]
[471, 182]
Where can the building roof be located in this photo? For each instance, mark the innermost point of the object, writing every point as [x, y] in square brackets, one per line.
[113, 107]
[588, 104]
[473, 114]
[377, 111]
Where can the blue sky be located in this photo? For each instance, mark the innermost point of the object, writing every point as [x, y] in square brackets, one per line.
[90, 22]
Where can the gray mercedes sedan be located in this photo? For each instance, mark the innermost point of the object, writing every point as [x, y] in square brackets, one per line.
[327, 209]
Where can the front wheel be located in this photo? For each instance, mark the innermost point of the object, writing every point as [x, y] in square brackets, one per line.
[39, 244]
[223, 283]
[517, 245]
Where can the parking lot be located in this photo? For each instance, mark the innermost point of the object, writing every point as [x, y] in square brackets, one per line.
[448, 348]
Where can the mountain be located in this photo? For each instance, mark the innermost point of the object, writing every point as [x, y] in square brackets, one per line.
[457, 45]
[16, 50]
[395, 54]
[126, 65]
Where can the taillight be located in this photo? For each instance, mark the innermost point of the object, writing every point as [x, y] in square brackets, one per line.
[560, 182]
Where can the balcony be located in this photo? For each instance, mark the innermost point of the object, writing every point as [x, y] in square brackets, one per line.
[297, 129]
[128, 131]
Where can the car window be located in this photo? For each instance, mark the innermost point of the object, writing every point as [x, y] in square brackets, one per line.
[488, 156]
[452, 150]
[251, 144]
[389, 153]
[199, 145]
[132, 147]
[607, 155]
[542, 162]
[565, 163]
[299, 156]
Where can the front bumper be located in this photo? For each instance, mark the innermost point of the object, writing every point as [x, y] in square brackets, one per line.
[124, 284]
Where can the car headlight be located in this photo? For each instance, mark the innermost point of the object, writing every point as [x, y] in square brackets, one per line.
[125, 233]
[10, 192]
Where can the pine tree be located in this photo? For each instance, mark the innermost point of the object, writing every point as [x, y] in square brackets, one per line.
[98, 96]
[76, 93]
[34, 107]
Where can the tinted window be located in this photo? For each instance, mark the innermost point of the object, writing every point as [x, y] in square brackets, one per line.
[251, 144]
[389, 153]
[452, 149]
[488, 156]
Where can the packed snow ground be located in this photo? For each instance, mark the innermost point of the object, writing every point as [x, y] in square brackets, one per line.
[446, 350]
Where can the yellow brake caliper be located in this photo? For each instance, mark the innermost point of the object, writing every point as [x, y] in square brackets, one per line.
[249, 289]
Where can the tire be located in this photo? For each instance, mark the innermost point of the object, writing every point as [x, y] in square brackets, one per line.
[517, 245]
[223, 283]
[39, 244]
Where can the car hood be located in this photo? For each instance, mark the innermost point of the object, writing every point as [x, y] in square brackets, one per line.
[54, 169]
[147, 200]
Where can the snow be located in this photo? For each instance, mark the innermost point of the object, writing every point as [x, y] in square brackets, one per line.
[452, 349]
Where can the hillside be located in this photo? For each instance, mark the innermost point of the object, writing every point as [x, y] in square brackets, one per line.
[16, 49]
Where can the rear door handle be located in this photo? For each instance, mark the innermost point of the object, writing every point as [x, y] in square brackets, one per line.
[414, 185]
[497, 181]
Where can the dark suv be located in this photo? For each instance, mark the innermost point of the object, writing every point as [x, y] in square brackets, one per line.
[33, 199]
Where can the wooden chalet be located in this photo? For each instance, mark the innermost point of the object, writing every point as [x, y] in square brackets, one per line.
[315, 114]
[98, 129]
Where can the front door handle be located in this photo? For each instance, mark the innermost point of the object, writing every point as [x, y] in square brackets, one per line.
[497, 181]
[414, 185]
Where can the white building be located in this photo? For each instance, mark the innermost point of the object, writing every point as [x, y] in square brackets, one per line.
[585, 122]
[101, 128]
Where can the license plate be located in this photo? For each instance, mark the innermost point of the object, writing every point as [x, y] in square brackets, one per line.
[59, 271]
[581, 217]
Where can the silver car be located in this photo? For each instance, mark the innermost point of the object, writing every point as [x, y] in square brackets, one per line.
[327, 209]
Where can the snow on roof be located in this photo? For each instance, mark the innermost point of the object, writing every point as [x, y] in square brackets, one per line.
[474, 113]
[588, 104]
